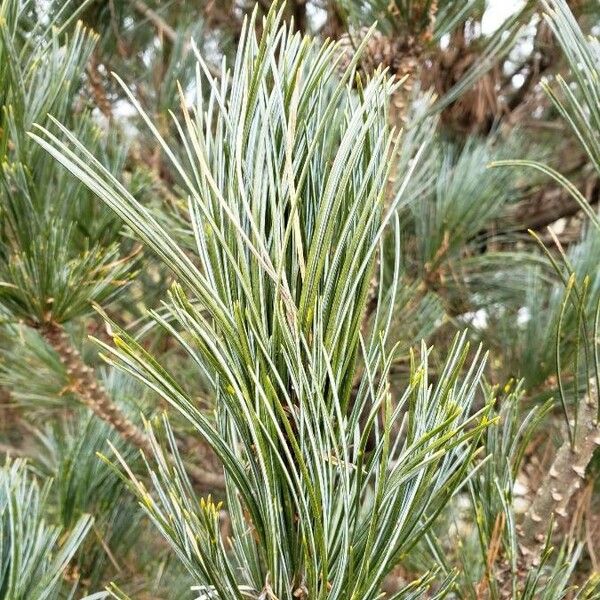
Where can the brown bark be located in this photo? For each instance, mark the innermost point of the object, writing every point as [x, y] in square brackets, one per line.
[556, 500]
[566, 475]
[335, 25]
[298, 8]
[93, 394]
[547, 206]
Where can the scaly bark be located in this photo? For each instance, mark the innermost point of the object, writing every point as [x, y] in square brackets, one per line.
[83, 382]
[565, 477]
[93, 394]
[552, 502]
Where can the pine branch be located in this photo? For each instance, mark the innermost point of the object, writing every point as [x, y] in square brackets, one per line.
[161, 25]
[549, 205]
[166, 31]
[34, 553]
[85, 384]
[557, 493]
[94, 396]
[562, 481]
[204, 478]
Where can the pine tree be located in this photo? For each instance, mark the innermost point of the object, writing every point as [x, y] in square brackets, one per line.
[273, 324]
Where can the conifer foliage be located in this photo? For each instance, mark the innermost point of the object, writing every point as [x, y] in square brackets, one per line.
[271, 325]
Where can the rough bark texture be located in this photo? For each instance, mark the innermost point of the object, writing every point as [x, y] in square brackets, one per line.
[93, 394]
[556, 492]
[565, 477]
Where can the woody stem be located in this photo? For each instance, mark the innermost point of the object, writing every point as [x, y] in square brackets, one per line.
[565, 477]
[93, 394]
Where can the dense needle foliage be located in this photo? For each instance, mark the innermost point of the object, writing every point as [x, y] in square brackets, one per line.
[299, 300]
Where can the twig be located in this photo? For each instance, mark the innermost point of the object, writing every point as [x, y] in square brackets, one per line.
[548, 206]
[84, 383]
[94, 396]
[168, 32]
[161, 25]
